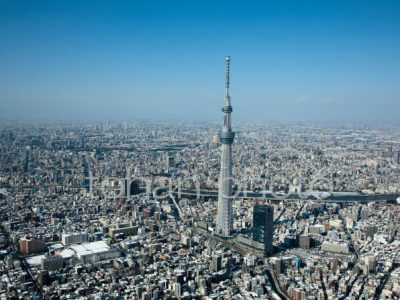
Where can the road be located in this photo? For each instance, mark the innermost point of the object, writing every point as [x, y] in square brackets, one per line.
[244, 250]
[335, 197]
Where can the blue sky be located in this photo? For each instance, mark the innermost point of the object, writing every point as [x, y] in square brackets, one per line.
[129, 60]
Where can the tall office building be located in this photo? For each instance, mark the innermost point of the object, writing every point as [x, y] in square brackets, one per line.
[226, 136]
[170, 160]
[216, 262]
[263, 226]
[370, 262]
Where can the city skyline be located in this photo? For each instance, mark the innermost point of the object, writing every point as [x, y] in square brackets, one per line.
[295, 62]
[122, 178]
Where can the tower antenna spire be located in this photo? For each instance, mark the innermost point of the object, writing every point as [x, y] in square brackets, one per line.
[228, 61]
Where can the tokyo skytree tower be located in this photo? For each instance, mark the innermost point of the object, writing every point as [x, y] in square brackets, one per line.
[226, 136]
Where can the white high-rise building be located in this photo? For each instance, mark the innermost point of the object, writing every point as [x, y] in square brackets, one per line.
[226, 136]
[74, 238]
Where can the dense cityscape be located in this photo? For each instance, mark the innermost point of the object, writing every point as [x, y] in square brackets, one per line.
[75, 227]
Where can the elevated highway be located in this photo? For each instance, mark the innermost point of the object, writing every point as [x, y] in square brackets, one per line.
[327, 197]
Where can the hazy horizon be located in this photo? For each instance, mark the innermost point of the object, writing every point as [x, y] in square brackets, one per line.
[136, 60]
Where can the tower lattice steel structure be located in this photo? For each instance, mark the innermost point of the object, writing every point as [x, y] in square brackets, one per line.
[226, 136]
